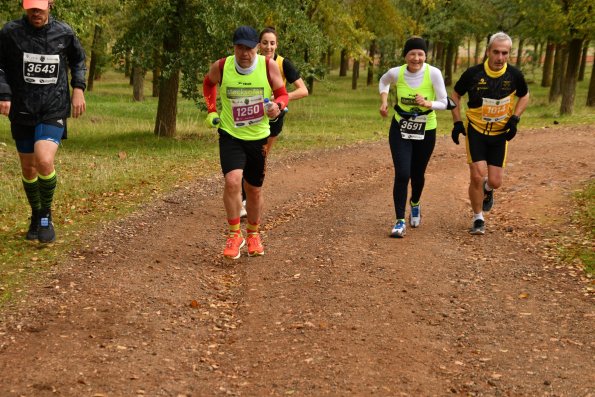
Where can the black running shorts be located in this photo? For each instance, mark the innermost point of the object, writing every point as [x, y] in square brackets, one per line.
[489, 148]
[237, 154]
[276, 125]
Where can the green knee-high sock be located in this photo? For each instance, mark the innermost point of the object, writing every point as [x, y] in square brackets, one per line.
[47, 186]
[32, 192]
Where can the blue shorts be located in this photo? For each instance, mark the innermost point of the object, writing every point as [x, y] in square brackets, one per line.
[41, 132]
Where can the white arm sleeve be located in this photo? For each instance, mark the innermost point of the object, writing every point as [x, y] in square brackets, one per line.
[389, 78]
[439, 88]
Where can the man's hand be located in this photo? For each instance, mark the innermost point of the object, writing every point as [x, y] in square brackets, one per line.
[457, 129]
[4, 108]
[212, 120]
[273, 111]
[511, 126]
[78, 102]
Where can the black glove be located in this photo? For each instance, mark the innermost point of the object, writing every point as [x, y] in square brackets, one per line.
[459, 128]
[511, 127]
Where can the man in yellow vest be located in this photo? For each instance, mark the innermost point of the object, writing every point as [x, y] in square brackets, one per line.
[246, 79]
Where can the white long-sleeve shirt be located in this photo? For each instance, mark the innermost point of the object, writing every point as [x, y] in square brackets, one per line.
[414, 80]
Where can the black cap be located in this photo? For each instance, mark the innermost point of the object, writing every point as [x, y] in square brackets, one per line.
[415, 43]
[245, 35]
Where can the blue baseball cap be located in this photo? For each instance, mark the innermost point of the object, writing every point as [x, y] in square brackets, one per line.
[245, 35]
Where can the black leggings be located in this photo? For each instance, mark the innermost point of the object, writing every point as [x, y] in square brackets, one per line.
[410, 158]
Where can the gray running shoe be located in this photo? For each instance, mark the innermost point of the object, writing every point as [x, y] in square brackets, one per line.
[45, 231]
[478, 228]
[488, 198]
[32, 233]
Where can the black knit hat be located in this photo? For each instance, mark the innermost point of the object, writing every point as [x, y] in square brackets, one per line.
[415, 43]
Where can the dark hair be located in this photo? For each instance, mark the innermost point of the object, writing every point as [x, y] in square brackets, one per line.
[268, 29]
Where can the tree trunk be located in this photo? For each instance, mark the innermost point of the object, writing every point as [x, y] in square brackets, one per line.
[478, 40]
[329, 57]
[581, 70]
[468, 52]
[167, 107]
[370, 79]
[548, 64]
[310, 77]
[156, 73]
[127, 67]
[138, 84]
[439, 60]
[485, 55]
[94, 56]
[558, 73]
[455, 61]
[575, 47]
[519, 55]
[344, 63]
[355, 74]
[591, 94]
[450, 55]
[538, 53]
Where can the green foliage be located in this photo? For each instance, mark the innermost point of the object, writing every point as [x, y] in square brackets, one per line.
[10, 10]
[77, 13]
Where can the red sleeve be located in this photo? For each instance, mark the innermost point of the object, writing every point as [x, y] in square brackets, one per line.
[209, 91]
[281, 97]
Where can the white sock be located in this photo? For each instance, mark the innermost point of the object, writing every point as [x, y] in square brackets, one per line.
[478, 216]
[486, 186]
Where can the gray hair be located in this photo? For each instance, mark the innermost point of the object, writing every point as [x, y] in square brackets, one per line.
[500, 36]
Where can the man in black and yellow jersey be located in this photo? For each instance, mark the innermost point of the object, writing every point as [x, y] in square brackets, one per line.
[247, 83]
[498, 96]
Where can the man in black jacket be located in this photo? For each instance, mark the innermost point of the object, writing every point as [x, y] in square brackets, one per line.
[35, 55]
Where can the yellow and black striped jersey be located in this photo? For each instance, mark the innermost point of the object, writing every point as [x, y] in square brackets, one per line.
[491, 96]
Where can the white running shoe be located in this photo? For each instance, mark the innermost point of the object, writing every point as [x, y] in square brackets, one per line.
[415, 216]
[399, 230]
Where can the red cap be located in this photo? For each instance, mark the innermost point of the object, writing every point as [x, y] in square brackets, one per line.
[39, 4]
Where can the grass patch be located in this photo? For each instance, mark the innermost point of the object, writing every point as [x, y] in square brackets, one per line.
[579, 248]
[112, 163]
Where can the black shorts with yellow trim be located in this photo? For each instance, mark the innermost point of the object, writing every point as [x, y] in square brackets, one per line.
[484, 147]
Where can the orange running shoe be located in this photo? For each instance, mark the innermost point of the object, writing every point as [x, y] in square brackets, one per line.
[234, 243]
[255, 247]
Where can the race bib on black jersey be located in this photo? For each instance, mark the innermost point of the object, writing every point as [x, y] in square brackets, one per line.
[41, 69]
[494, 110]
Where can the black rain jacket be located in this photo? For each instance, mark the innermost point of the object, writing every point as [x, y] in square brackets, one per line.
[33, 70]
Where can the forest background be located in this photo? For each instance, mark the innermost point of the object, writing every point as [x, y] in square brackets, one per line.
[143, 134]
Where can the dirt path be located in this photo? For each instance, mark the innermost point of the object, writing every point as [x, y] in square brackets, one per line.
[335, 307]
